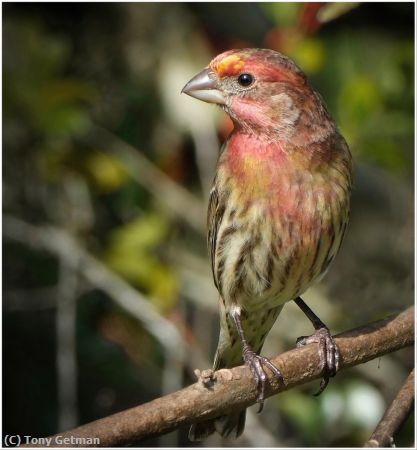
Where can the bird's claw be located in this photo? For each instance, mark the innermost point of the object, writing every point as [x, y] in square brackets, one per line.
[256, 363]
[328, 352]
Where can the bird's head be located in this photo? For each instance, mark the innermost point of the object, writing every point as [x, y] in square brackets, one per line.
[261, 90]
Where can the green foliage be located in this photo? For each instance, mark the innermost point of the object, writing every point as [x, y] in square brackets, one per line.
[53, 103]
[72, 69]
[366, 77]
[283, 14]
[132, 252]
[374, 104]
[310, 53]
[302, 410]
[106, 172]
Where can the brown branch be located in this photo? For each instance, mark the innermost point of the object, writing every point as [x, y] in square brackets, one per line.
[234, 389]
[395, 416]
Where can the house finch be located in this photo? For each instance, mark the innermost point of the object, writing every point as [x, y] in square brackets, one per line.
[278, 208]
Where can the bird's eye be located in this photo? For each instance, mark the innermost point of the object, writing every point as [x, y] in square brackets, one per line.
[245, 79]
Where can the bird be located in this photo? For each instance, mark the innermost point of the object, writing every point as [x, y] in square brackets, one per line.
[278, 210]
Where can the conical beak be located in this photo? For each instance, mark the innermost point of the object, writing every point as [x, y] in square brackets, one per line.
[204, 86]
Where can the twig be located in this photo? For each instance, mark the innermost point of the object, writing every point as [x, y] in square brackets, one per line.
[205, 145]
[64, 245]
[394, 417]
[66, 357]
[60, 242]
[175, 198]
[232, 389]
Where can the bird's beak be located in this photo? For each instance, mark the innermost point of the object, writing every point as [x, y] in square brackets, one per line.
[204, 86]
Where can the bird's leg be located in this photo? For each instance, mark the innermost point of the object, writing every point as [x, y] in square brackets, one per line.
[255, 361]
[328, 350]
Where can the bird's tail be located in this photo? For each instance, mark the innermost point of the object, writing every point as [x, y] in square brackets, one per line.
[229, 354]
[229, 425]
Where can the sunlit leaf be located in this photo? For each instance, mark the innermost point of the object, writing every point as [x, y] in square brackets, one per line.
[333, 10]
[310, 54]
[132, 254]
[107, 172]
[359, 98]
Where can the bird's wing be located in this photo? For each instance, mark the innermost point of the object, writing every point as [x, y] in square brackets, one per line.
[214, 216]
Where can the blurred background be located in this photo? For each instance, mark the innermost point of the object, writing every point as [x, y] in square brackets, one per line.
[108, 300]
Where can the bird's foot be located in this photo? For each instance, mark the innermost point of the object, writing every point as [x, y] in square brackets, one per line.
[328, 351]
[256, 363]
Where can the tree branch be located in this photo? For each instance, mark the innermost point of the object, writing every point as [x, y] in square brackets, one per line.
[395, 416]
[232, 389]
[64, 245]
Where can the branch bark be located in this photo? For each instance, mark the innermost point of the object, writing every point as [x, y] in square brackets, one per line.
[395, 416]
[232, 389]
